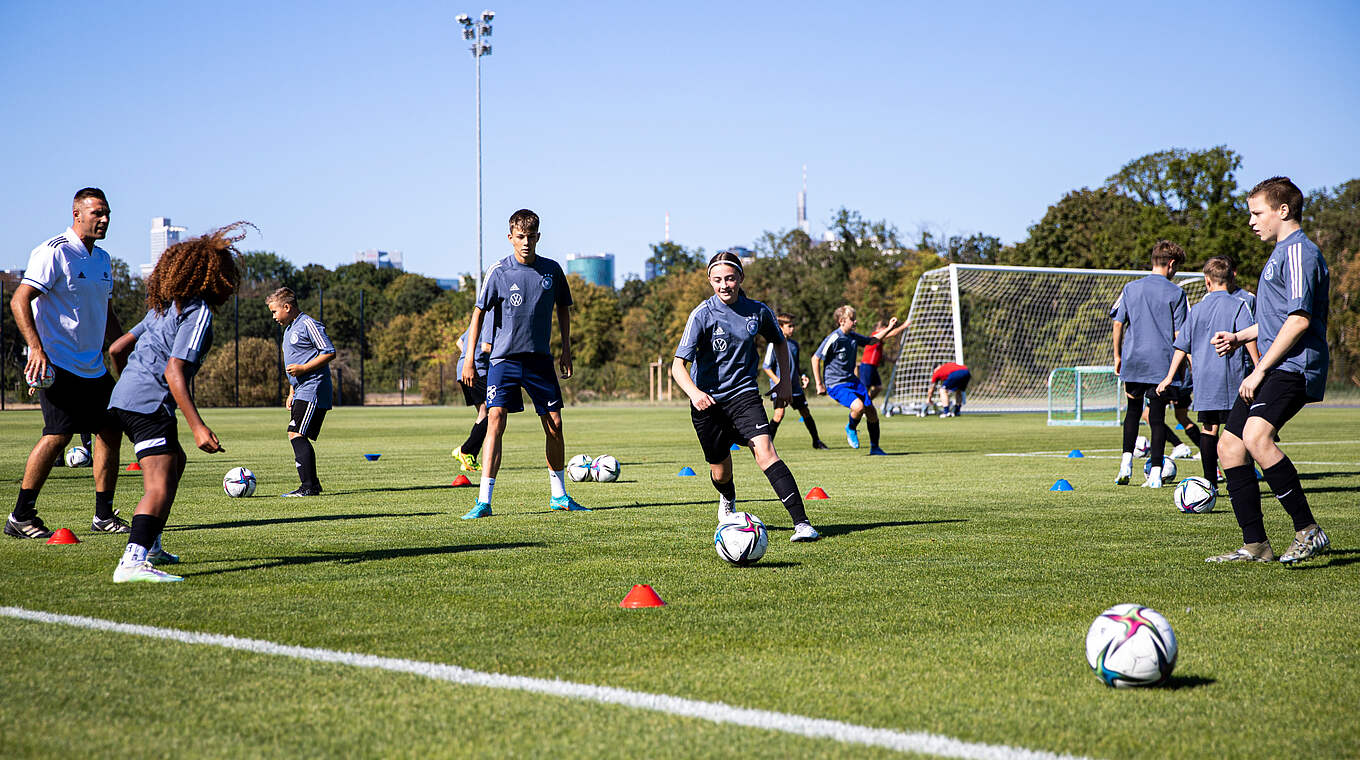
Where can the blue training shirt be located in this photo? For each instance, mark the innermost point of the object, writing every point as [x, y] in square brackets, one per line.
[304, 340]
[795, 369]
[179, 334]
[1295, 279]
[481, 359]
[839, 350]
[1154, 308]
[523, 297]
[1216, 377]
[720, 342]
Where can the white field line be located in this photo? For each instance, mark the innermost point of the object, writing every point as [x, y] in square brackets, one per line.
[716, 712]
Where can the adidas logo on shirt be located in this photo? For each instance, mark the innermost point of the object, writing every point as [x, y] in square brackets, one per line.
[718, 330]
[80, 276]
[513, 288]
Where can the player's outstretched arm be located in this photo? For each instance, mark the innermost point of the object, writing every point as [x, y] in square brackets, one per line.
[783, 390]
[1177, 357]
[698, 398]
[22, 307]
[1118, 345]
[564, 327]
[469, 373]
[176, 378]
[1224, 341]
[817, 374]
[121, 350]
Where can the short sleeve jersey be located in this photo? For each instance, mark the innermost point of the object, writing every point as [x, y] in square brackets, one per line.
[481, 360]
[772, 363]
[185, 335]
[945, 370]
[720, 342]
[873, 354]
[1295, 279]
[304, 340]
[838, 351]
[72, 310]
[1154, 309]
[1246, 296]
[523, 297]
[1216, 377]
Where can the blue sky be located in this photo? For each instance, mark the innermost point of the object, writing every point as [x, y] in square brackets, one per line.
[339, 126]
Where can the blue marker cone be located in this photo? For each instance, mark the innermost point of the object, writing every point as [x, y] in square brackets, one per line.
[372, 457]
[1179, 426]
[685, 472]
[1075, 454]
[735, 447]
[1062, 485]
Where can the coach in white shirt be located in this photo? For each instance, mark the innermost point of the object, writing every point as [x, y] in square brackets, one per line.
[64, 311]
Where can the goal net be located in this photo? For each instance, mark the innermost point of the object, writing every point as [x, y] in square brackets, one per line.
[1011, 326]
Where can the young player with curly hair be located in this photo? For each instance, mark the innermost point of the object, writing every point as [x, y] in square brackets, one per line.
[166, 349]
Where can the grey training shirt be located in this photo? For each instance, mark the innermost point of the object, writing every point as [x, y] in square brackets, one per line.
[304, 340]
[179, 334]
[523, 297]
[839, 351]
[1154, 309]
[795, 369]
[720, 341]
[1216, 377]
[1295, 279]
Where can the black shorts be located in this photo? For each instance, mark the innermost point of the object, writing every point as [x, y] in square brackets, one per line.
[798, 401]
[1180, 397]
[75, 404]
[475, 394]
[1213, 417]
[151, 434]
[307, 418]
[1279, 397]
[1148, 391]
[736, 420]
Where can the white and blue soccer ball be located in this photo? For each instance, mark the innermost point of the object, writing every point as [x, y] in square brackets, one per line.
[741, 538]
[239, 483]
[578, 469]
[78, 456]
[604, 469]
[1195, 495]
[1141, 446]
[1168, 469]
[1131, 645]
[49, 376]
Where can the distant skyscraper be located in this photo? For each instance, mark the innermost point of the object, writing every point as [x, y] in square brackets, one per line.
[380, 259]
[802, 205]
[163, 235]
[592, 267]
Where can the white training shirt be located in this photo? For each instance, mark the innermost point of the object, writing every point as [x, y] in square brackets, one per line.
[72, 311]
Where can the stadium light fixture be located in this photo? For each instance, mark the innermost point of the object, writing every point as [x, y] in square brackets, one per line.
[474, 32]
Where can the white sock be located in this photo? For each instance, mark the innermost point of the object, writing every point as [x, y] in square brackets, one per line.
[134, 554]
[1126, 461]
[484, 495]
[557, 480]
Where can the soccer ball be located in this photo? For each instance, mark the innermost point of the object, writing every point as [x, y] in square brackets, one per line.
[578, 469]
[239, 482]
[1131, 645]
[605, 469]
[1168, 469]
[49, 377]
[741, 538]
[77, 456]
[1140, 447]
[1195, 495]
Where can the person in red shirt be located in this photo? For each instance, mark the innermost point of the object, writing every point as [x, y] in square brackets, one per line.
[873, 354]
[952, 379]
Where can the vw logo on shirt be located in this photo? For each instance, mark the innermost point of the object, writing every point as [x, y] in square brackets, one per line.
[720, 344]
[516, 299]
[547, 282]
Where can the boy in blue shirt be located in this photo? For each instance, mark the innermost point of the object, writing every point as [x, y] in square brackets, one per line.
[1216, 377]
[523, 290]
[307, 354]
[1291, 332]
[1147, 316]
[797, 382]
[837, 354]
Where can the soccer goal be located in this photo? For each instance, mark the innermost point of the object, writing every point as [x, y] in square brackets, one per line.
[1084, 396]
[1012, 326]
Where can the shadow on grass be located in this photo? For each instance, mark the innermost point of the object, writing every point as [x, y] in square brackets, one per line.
[349, 558]
[767, 565]
[1176, 683]
[846, 528]
[1333, 558]
[700, 503]
[1333, 474]
[1328, 489]
[306, 519]
[385, 489]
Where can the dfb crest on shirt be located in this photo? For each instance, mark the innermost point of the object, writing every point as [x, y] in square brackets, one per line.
[752, 324]
[547, 282]
[293, 338]
[1269, 274]
[720, 344]
[516, 299]
[490, 393]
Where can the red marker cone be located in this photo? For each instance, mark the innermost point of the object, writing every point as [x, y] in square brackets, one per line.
[817, 493]
[134, 467]
[461, 480]
[642, 595]
[63, 536]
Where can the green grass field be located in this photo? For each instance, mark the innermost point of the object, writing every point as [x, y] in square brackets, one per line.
[951, 596]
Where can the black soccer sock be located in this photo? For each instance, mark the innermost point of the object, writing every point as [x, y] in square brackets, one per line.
[854, 423]
[87, 441]
[103, 504]
[1245, 494]
[304, 456]
[473, 444]
[145, 529]
[1157, 421]
[1171, 436]
[811, 425]
[727, 490]
[787, 490]
[873, 433]
[1284, 481]
[26, 506]
[1192, 431]
[1208, 456]
[1132, 416]
[774, 428]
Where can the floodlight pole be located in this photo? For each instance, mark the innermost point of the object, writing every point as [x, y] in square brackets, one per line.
[474, 30]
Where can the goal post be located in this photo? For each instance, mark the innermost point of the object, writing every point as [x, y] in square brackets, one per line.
[1084, 396]
[1012, 326]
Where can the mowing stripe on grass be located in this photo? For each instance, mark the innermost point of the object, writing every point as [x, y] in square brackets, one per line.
[716, 712]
